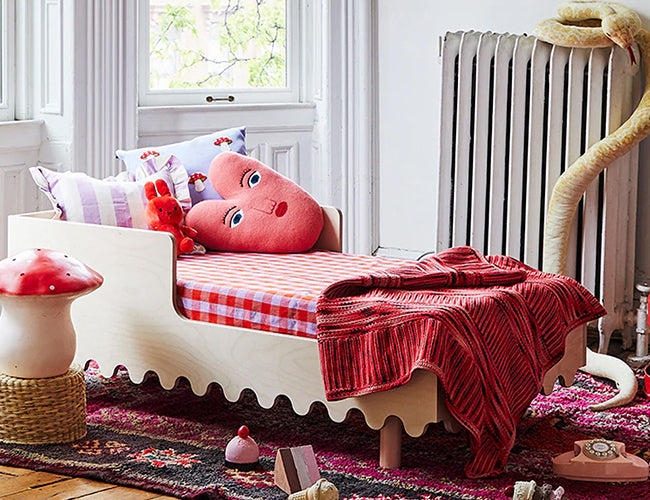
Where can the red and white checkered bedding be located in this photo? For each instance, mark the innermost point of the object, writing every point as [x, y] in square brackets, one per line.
[270, 292]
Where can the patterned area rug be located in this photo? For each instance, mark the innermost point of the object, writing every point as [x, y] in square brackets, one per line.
[172, 442]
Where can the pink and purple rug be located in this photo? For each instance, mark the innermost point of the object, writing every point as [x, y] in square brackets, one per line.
[172, 442]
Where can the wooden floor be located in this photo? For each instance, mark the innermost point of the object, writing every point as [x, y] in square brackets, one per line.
[25, 484]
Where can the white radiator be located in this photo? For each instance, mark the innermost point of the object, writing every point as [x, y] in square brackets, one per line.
[515, 113]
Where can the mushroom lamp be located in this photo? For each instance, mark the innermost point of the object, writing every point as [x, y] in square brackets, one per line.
[37, 287]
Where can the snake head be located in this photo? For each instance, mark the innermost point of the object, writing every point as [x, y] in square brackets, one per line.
[618, 30]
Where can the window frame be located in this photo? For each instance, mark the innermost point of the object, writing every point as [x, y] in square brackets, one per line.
[8, 60]
[180, 97]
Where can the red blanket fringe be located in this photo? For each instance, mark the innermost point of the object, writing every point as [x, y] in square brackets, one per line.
[489, 328]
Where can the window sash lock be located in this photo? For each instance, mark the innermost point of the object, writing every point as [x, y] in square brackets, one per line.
[229, 98]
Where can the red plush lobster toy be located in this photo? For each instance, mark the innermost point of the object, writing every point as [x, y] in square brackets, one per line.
[164, 213]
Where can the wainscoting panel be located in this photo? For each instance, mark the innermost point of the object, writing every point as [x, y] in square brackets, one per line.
[280, 136]
[18, 194]
[283, 158]
[19, 150]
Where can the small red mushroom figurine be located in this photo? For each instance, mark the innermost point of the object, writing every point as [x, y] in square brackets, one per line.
[242, 452]
[197, 178]
[37, 287]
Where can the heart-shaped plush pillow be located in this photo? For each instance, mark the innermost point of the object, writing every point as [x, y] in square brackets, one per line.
[262, 211]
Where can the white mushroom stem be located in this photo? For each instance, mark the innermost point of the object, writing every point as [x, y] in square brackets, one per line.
[37, 338]
[198, 185]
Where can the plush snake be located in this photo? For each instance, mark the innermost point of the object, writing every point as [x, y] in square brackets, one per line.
[595, 24]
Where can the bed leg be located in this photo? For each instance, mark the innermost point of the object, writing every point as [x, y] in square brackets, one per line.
[452, 426]
[390, 443]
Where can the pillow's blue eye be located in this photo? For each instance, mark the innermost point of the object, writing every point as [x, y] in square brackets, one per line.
[254, 179]
[237, 218]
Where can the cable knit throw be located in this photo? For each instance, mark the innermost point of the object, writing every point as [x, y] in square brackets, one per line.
[489, 328]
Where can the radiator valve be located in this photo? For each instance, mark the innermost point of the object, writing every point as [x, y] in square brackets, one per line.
[641, 357]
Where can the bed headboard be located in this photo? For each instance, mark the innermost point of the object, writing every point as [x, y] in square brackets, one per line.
[329, 239]
[330, 236]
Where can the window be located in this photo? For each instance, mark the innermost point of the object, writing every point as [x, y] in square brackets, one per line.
[202, 51]
[7, 70]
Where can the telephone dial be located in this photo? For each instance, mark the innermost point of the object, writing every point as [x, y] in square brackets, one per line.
[600, 460]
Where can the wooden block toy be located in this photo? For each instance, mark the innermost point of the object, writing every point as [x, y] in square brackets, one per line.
[295, 469]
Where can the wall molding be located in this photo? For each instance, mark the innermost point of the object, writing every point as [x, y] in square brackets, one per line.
[8, 60]
[51, 57]
[24, 34]
[193, 132]
[349, 120]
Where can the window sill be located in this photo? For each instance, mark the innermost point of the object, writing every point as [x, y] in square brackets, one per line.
[217, 106]
[20, 135]
[195, 120]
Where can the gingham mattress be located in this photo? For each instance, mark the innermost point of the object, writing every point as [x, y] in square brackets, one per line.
[270, 292]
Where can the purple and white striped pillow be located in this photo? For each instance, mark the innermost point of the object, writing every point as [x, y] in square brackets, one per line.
[114, 201]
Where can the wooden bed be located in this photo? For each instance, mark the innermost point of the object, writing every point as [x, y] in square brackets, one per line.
[132, 320]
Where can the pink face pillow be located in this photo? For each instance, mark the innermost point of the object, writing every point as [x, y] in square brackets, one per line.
[262, 211]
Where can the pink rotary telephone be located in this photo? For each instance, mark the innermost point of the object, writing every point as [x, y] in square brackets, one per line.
[600, 460]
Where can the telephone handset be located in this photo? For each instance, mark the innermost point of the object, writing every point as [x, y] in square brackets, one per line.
[600, 460]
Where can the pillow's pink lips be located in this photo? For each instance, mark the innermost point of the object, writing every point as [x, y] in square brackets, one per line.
[281, 209]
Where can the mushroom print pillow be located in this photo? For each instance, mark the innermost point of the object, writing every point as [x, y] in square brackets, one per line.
[262, 211]
[195, 155]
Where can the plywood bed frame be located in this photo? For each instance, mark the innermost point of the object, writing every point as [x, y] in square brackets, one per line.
[132, 320]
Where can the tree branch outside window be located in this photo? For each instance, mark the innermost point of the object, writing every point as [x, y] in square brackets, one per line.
[217, 44]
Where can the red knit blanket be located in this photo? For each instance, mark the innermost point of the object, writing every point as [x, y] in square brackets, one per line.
[489, 328]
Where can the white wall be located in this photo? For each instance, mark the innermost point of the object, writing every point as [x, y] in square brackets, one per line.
[409, 108]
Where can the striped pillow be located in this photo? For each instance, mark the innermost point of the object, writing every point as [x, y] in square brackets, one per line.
[114, 201]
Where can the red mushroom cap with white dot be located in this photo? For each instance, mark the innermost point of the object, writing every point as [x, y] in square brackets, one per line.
[46, 272]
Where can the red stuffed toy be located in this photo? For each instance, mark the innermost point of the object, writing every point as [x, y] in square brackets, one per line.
[164, 213]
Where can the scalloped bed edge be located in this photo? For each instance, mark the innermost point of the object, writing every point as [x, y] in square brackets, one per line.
[233, 396]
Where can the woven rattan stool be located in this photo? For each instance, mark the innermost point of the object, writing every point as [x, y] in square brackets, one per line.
[43, 410]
